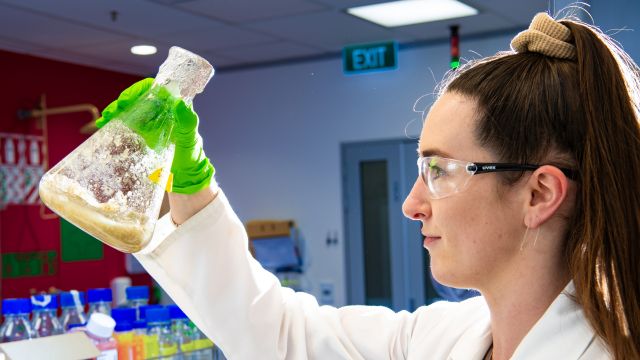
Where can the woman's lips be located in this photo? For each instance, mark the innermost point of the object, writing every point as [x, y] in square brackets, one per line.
[429, 239]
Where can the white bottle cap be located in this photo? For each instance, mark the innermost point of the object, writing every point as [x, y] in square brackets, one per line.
[101, 325]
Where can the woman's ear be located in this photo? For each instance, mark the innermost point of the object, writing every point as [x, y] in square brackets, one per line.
[548, 188]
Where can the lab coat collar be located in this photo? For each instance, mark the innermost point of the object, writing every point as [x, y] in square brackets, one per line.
[561, 333]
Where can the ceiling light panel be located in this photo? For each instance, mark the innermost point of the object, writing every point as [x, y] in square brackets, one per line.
[409, 12]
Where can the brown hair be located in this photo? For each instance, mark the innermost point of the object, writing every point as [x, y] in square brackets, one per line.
[581, 114]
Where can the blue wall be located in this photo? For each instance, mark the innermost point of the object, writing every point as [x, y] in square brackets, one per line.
[612, 16]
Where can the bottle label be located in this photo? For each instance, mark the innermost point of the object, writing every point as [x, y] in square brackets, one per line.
[125, 352]
[108, 355]
[202, 344]
[124, 337]
[186, 347]
[138, 347]
[151, 346]
[168, 350]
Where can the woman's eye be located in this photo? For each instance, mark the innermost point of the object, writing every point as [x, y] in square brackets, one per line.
[437, 172]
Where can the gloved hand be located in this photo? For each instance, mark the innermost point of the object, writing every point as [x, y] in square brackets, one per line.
[192, 171]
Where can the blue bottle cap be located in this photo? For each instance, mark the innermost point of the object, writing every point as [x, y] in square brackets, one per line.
[143, 310]
[70, 298]
[97, 295]
[123, 326]
[158, 315]
[137, 293]
[71, 326]
[16, 306]
[176, 313]
[123, 315]
[45, 301]
[140, 324]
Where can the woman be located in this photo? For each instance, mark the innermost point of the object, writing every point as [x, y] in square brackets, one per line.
[527, 191]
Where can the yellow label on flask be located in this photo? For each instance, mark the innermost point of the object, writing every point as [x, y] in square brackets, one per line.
[155, 175]
[169, 186]
[155, 178]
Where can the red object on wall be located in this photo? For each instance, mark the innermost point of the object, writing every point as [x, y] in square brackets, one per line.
[25, 79]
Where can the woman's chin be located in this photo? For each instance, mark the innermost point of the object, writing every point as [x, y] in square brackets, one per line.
[447, 277]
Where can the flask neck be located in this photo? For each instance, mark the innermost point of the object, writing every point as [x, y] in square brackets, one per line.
[175, 91]
[184, 74]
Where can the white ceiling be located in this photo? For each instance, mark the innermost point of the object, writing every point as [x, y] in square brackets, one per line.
[231, 34]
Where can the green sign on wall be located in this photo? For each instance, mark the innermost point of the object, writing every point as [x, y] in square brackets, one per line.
[370, 57]
[77, 245]
[33, 263]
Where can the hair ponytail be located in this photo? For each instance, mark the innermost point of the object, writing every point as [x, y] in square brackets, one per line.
[604, 244]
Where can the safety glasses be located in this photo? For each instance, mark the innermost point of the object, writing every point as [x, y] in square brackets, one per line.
[445, 177]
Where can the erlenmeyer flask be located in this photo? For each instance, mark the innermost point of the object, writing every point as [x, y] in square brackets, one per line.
[112, 185]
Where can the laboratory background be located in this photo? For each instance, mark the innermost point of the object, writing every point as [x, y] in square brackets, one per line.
[311, 121]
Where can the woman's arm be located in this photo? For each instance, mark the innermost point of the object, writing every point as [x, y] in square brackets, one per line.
[184, 206]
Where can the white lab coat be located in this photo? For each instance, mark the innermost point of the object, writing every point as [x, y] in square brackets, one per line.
[205, 267]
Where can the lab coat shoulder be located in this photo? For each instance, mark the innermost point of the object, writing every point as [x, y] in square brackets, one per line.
[430, 332]
[446, 330]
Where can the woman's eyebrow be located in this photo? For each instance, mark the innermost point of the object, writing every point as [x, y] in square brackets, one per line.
[432, 152]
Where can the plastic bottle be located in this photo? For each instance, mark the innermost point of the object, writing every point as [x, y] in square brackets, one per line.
[137, 296]
[159, 332]
[72, 304]
[148, 344]
[203, 347]
[113, 184]
[119, 286]
[99, 301]
[16, 325]
[139, 337]
[123, 332]
[142, 310]
[76, 327]
[45, 321]
[100, 330]
[182, 332]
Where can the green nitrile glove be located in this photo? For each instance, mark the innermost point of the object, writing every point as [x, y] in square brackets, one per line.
[151, 119]
[191, 169]
[126, 98]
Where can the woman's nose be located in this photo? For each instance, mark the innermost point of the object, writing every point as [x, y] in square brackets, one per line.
[417, 206]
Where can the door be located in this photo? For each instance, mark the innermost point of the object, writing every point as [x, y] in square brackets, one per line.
[383, 248]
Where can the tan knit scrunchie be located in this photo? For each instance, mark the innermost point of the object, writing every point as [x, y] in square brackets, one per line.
[545, 36]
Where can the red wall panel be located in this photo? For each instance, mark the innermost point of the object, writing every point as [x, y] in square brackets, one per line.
[24, 80]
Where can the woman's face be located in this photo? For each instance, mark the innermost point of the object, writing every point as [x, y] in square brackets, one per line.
[475, 235]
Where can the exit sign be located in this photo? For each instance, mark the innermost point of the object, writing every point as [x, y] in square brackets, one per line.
[370, 57]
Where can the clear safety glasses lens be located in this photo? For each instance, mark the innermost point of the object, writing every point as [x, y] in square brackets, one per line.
[444, 177]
